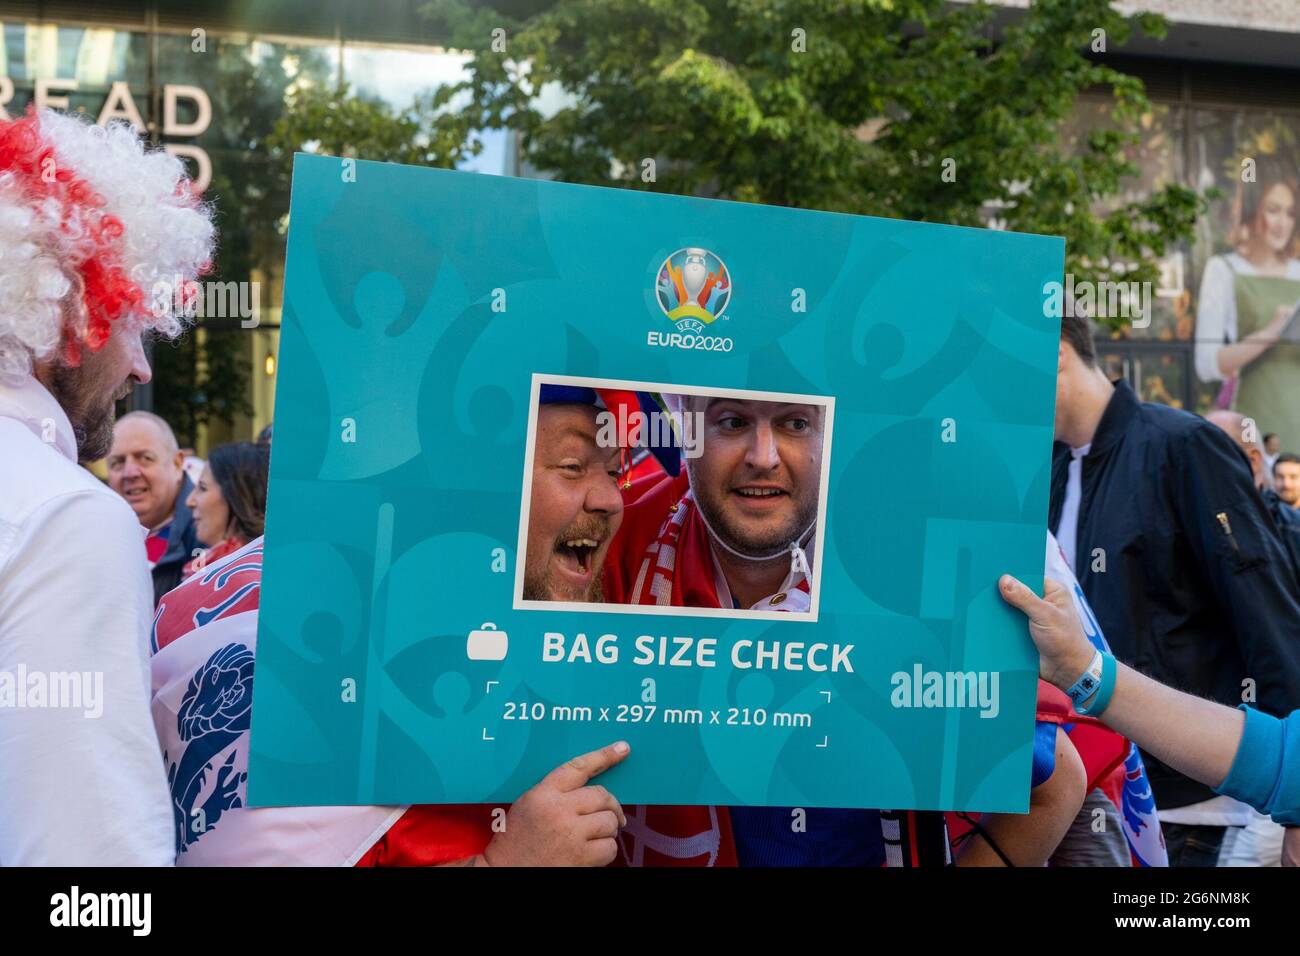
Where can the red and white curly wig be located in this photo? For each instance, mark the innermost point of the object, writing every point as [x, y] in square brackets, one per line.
[89, 211]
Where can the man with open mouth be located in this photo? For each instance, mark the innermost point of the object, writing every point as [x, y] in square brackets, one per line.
[575, 508]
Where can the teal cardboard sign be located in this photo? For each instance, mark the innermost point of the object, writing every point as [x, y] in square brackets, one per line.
[556, 466]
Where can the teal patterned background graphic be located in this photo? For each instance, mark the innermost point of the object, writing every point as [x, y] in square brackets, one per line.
[400, 428]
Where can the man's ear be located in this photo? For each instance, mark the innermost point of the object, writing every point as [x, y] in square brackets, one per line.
[179, 461]
[1257, 463]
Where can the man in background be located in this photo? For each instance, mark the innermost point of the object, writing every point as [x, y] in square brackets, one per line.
[1158, 515]
[146, 467]
[1287, 519]
[1286, 479]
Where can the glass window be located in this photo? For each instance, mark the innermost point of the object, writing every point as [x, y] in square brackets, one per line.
[91, 58]
[245, 82]
[400, 77]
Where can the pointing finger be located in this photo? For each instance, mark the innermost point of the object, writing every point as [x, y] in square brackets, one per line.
[575, 773]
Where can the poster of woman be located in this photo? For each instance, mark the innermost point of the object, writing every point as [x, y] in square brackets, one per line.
[1246, 330]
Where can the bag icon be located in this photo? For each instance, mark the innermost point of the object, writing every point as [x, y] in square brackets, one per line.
[487, 644]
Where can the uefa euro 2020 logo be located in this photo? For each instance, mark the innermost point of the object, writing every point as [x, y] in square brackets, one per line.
[694, 288]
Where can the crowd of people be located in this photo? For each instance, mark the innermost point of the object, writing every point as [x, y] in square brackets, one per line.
[1168, 627]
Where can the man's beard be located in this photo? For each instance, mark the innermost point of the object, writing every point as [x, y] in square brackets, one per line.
[92, 425]
[537, 587]
[538, 584]
[770, 544]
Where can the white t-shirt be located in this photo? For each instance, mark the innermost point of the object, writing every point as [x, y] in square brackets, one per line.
[1216, 309]
[1067, 531]
[81, 783]
[1220, 811]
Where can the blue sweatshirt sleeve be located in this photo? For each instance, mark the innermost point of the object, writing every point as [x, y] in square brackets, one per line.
[1266, 771]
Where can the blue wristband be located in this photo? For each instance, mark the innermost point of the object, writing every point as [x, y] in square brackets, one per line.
[1109, 671]
[1088, 681]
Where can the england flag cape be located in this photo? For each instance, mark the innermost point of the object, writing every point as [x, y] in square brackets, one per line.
[204, 640]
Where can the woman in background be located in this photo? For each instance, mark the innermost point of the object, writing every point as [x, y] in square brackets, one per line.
[228, 502]
[1246, 300]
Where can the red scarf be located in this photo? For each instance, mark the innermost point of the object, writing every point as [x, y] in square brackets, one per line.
[677, 567]
[649, 506]
[663, 552]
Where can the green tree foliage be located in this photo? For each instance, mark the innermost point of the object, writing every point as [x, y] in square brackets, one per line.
[898, 108]
[327, 120]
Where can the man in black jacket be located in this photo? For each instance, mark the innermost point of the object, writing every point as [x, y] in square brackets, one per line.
[1158, 514]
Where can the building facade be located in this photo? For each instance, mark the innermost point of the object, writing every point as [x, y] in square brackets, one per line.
[209, 79]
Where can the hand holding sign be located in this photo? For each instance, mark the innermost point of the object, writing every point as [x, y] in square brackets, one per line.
[1055, 628]
[562, 821]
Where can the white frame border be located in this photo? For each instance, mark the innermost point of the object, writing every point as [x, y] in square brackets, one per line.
[741, 614]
